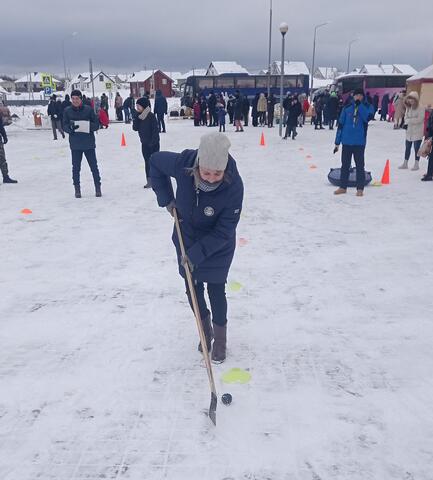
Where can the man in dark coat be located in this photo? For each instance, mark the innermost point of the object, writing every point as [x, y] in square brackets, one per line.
[384, 107]
[333, 103]
[254, 112]
[55, 112]
[80, 122]
[146, 125]
[128, 106]
[294, 111]
[245, 110]
[270, 107]
[203, 111]
[3, 162]
[160, 109]
[208, 200]
[238, 106]
[211, 105]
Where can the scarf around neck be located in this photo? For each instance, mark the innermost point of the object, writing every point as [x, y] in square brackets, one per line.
[144, 113]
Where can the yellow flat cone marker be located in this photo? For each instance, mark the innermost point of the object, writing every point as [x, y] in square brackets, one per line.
[376, 184]
[312, 167]
[235, 286]
[236, 375]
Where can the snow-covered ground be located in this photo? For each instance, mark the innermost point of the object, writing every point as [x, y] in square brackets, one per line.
[99, 371]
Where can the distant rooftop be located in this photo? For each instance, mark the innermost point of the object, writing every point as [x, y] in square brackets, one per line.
[224, 68]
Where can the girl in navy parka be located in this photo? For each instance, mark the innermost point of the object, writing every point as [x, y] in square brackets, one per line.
[208, 200]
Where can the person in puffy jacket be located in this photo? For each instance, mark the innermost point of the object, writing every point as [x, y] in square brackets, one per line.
[146, 125]
[208, 200]
[80, 122]
[352, 134]
[414, 120]
[262, 105]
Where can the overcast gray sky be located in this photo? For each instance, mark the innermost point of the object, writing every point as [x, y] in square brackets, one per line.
[179, 34]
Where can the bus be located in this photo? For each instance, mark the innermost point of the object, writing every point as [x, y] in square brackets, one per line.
[374, 84]
[248, 85]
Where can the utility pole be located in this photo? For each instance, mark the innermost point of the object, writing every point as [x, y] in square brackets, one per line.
[270, 48]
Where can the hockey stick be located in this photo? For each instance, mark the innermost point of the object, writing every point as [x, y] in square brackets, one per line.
[213, 398]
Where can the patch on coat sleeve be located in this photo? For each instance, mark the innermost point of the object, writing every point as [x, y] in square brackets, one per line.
[209, 211]
[237, 211]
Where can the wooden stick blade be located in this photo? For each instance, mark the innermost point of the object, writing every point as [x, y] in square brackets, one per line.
[212, 408]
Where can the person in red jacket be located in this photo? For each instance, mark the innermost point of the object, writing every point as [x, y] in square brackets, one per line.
[305, 108]
[103, 118]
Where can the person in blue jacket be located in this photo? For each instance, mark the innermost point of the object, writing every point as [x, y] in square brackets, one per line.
[80, 122]
[208, 200]
[160, 109]
[352, 134]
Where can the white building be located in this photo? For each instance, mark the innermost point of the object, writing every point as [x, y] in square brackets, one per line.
[290, 68]
[33, 82]
[103, 83]
[382, 69]
[224, 68]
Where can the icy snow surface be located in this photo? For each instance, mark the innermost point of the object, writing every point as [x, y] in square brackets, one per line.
[100, 377]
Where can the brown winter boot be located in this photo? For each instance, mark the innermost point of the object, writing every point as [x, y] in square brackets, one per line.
[340, 191]
[360, 193]
[208, 333]
[220, 343]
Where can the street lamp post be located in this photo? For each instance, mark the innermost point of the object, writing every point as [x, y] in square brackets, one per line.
[283, 29]
[270, 48]
[314, 52]
[348, 53]
[71, 35]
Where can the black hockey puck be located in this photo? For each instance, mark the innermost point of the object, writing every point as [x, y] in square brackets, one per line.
[226, 399]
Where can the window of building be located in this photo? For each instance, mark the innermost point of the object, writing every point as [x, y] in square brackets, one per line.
[164, 81]
[101, 78]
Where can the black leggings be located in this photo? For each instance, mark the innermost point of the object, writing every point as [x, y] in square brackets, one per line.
[416, 146]
[218, 301]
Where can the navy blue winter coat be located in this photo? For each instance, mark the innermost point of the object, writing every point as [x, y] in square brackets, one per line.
[80, 141]
[208, 219]
[352, 130]
[160, 106]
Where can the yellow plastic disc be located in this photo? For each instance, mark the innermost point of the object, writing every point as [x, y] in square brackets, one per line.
[236, 375]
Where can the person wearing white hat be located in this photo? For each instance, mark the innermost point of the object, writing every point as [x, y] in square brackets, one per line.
[208, 201]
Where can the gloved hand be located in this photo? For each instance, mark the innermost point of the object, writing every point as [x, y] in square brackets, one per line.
[5, 140]
[336, 148]
[186, 261]
[170, 207]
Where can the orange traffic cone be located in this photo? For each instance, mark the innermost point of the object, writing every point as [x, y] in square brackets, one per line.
[123, 142]
[262, 140]
[385, 176]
